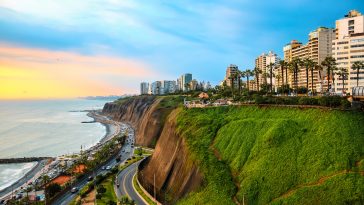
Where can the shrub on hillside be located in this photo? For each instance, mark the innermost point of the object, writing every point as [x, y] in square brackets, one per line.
[330, 101]
[259, 99]
[307, 101]
[345, 104]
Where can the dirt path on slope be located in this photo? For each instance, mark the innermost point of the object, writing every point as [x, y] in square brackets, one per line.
[317, 183]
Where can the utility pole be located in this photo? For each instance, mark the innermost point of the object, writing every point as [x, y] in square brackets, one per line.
[95, 187]
[154, 189]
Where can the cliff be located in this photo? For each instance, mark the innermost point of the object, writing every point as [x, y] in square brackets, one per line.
[154, 118]
[175, 173]
[144, 113]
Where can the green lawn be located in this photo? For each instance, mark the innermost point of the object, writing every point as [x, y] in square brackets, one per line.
[109, 195]
[268, 152]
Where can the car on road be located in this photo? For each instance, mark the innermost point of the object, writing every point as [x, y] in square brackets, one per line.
[108, 168]
[74, 190]
[103, 167]
[90, 178]
[117, 184]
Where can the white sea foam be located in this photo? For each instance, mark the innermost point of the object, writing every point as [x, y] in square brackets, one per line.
[10, 173]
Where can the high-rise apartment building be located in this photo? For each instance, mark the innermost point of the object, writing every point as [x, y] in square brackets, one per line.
[348, 47]
[144, 87]
[168, 86]
[156, 88]
[317, 49]
[231, 71]
[262, 62]
[183, 81]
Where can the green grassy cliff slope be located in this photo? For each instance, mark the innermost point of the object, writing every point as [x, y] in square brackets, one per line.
[275, 155]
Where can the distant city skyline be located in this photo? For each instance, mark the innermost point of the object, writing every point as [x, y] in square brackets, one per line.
[62, 49]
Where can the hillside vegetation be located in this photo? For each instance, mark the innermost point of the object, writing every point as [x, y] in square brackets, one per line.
[275, 155]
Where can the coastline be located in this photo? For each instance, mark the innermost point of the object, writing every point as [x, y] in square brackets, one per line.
[112, 129]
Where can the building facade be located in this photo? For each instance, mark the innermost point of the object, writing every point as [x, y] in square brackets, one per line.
[184, 81]
[156, 88]
[144, 88]
[168, 86]
[348, 47]
[317, 49]
[231, 71]
[262, 62]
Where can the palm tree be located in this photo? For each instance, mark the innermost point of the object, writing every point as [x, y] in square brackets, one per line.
[248, 73]
[283, 65]
[271, 67]
[257, 71]
[312, 67]
[239, 76]
[278, 77]
[294, 67]
[307, 63]
[357, 66]
[342, 72]
[330, 64]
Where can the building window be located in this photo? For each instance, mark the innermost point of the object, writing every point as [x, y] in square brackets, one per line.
[357, 40]
[357, 46]
[351, 28]
[341, 53]
[342, 58]
[342, 42]
[359, 56]
[351, 22]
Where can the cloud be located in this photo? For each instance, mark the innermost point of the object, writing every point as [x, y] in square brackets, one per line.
[40, 73]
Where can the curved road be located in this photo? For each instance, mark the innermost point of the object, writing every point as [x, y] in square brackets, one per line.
[68, 196]
[125, 179]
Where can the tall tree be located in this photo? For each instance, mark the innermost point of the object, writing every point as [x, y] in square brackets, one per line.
[358, 65]
[295, 68]
[342, 73]
[257, 72]
[307, 63]
[312, 67]
[271, 66]
[278, 77]
[283, 64]
[239, 76]
[330, 64]
[248, 73]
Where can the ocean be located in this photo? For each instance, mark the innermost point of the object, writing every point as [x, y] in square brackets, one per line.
[44, 128]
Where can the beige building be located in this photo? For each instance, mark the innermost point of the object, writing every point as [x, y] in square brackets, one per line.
[231, 70]
[262, 62]
[317, 49]
[348, 47]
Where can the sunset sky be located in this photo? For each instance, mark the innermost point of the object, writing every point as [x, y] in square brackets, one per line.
[68, 48]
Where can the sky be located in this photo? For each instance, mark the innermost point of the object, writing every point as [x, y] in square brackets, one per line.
[68, 48]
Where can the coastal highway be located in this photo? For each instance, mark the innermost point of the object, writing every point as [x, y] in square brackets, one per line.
[125, 179]
[68, 196]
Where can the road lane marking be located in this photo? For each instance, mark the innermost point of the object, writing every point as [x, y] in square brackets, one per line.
[124, 180]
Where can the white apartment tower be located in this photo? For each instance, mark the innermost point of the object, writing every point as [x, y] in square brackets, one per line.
[144, 88]
[262, 62]
[348, 47]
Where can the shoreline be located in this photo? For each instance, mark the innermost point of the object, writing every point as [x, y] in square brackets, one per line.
[112, 129]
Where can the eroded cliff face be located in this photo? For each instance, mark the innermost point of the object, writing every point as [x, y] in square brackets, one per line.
[143, 113]
[175, 173]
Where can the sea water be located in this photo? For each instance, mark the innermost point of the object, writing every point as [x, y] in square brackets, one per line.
[43, 128]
